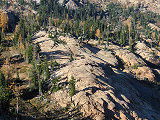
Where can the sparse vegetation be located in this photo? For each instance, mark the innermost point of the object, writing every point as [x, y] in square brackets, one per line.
[136, 66]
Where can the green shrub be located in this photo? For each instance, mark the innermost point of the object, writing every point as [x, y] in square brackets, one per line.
[55, 88]
[136, 66]
[72, 86]
[55, 80]
[53, 64]
[71, 58]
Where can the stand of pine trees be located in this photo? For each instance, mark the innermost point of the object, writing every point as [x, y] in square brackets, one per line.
[5, 94]
[87, 20]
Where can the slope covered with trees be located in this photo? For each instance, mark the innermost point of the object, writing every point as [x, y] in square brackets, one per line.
[90, 22]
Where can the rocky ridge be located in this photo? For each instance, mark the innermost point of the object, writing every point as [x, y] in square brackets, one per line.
[152, 5]
[104, 90]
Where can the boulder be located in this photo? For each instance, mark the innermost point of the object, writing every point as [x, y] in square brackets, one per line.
[88, 106]
[151, 55]
[127, 57]
[62, 96]
[145, 73]
[154, 27]
[72, 5]
[108, 57]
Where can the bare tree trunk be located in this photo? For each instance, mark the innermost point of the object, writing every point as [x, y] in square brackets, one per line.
[29, 84]
[17, 107]
[49, 29]
[39, 84]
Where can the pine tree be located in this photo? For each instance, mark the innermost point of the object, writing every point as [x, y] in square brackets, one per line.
[71, 58]
[17, 77]
[39, 72]
[122, 37]
[72, 86]
[2, 80]
[3, 21]
[34, 77]
[0, 36]
[53, 64]
[98, 33]
[16, 38]
[29, 38]
[107, 34]
[40, 87]
[39, 67]
[37, 49]
[46, 74]
[29, 54]
[5, 95]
